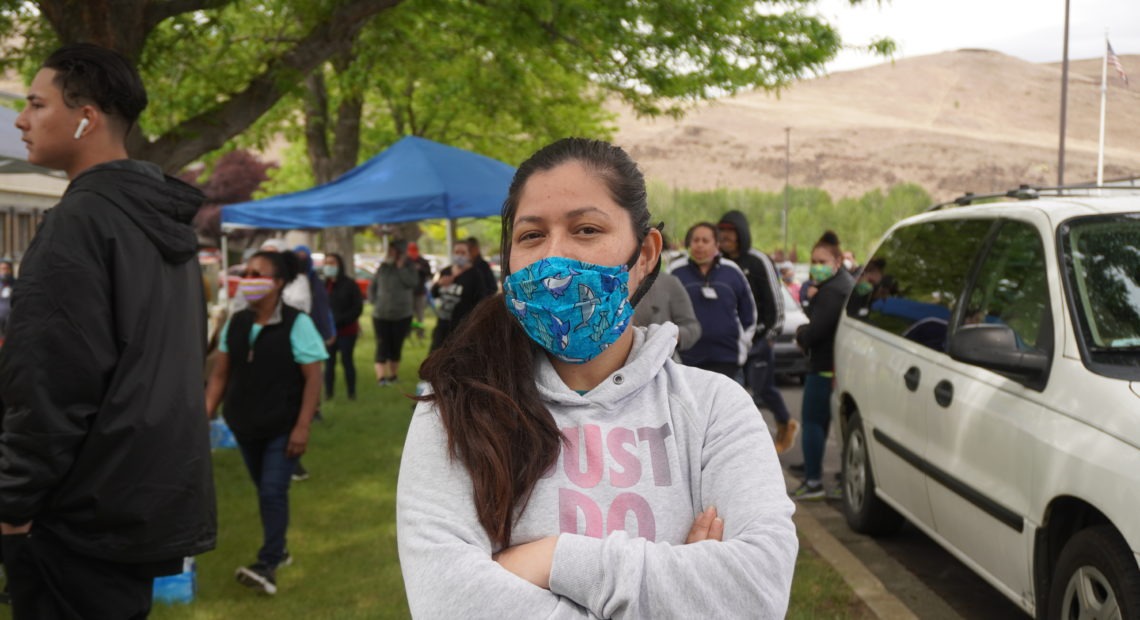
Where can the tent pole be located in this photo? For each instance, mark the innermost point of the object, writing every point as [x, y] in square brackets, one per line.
[450, 238]
[223, 292]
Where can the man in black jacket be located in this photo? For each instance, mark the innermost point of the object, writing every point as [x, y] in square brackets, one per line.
[105, 474]
[735, 241]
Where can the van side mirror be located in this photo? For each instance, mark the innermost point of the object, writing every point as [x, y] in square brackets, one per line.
[995, 347]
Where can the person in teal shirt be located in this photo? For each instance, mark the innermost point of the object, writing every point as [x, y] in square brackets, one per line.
[268, 380]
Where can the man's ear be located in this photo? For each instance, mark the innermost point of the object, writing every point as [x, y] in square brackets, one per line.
[87, 120]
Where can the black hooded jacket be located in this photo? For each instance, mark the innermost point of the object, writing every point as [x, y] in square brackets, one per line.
[761, 275]
[105, 441]
[817, 337]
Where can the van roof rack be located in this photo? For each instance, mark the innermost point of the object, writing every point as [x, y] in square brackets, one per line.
[1028, 192]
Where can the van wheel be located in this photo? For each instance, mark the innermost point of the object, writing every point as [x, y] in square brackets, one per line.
[865, 512]
[1096, 577]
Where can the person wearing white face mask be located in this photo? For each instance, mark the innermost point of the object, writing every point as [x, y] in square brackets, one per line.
[297, 292]
[457, 290]
[563, 466]
[268, 379]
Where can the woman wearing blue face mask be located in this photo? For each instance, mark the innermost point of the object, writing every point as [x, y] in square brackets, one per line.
[832, 285]
[563, 466]
[268, 380]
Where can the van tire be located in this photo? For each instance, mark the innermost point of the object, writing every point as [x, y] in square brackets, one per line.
[1097, 560]
[865, 512]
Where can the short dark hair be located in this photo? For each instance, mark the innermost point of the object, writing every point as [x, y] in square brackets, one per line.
[693, 229]
[89, 73]
[286, 265]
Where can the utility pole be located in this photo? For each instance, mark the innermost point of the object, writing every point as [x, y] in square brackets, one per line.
[787, 177]
[1064, 100]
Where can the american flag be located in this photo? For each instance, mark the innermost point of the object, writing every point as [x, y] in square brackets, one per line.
[1114, 60]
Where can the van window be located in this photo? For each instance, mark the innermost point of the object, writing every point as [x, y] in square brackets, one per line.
[1102, 276]
[922, 270]
[1012, 289]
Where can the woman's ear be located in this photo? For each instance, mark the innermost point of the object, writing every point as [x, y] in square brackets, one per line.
[650, 250]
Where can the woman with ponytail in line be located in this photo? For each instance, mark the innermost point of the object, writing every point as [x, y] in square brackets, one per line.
[563, 466]
[268, 378]
[831, 284]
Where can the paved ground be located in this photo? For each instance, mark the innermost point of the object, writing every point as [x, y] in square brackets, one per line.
[903, 576]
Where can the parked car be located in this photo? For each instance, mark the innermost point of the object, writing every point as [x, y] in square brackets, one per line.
[791, 362]
[988, 390]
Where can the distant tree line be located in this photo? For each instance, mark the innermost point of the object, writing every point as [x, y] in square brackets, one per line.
[859, 222]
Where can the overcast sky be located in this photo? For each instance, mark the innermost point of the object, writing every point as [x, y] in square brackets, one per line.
[1028, 29]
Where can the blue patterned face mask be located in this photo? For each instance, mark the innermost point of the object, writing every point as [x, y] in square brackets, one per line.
[572, 309]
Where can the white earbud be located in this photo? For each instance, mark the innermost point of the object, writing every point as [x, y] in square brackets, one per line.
[79, 130]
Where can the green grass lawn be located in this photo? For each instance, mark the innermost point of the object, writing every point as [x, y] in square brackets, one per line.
[342, 532]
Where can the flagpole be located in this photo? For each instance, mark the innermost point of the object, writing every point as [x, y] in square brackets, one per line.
[1064, 101]
[1103, 103]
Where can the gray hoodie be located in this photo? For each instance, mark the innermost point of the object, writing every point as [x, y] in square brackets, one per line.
[391, 291]
[652, 446]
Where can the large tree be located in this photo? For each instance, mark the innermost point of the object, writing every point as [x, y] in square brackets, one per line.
[217, 66]
[238, 74]
[503, 77]
[496, 76]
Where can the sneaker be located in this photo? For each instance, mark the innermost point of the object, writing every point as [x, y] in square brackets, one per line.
[786, 434]
[835, 494]
[286, 560]
[382, 381]
[808, 491]
[300, 474]
[258, 577]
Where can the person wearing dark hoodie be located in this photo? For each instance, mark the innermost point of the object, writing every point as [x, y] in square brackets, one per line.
[735, 242]
[105, 469]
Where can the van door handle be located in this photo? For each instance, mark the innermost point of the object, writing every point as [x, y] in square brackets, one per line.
[944, 393]
[912, 377]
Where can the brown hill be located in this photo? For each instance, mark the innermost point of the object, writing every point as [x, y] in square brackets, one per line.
[970, 120]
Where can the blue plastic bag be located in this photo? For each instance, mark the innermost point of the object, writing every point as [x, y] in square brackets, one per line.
[220, 434]
[178, 588]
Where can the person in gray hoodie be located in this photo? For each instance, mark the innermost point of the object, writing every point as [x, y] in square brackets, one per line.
[562, 465]
[392, 293]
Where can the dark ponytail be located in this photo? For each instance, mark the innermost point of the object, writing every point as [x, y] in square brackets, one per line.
[482, 378]
[484, 387]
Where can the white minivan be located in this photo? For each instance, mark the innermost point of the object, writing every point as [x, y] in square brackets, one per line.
[988, 390]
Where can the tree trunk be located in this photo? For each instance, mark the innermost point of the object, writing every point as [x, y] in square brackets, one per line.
[330, 162]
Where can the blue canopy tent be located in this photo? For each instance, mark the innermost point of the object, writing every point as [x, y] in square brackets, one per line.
[414, 179]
